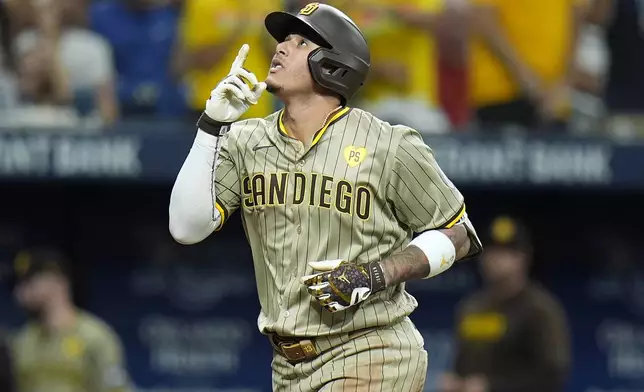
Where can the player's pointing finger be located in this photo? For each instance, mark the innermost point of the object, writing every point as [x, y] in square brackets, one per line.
[241, 57]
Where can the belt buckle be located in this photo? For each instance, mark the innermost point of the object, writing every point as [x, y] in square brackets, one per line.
[296, 352]
[309, 349]
[292, 351]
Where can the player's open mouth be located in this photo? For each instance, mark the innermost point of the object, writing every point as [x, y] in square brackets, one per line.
[276, 65]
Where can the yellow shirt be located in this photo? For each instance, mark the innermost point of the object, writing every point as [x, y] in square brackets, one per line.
[212, 22]
[393, 42]
[540, 31]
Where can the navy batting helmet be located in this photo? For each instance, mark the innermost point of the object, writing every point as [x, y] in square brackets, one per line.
[342, 61]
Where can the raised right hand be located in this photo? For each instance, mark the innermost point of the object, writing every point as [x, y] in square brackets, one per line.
[232, 96]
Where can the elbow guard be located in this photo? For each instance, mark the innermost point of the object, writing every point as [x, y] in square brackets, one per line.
[476, 247]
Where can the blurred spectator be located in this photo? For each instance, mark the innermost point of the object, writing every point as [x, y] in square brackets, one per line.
[75, 12]
[64, 67]
[6, 374]
[402, 85]
[142, 34]
[62, 348]
[623, 92]
[452, 33]
[8, 82]
[522, 58]
[512, 336]
[44, 92]
[21, 14]
[211, 33]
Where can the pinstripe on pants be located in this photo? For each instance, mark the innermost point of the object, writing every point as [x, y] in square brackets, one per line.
[385, 359]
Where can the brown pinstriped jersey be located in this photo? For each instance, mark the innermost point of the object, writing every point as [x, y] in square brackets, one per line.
[358, 193]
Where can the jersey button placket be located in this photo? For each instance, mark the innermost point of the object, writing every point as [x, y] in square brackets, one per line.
[296, 222]
[299, 149]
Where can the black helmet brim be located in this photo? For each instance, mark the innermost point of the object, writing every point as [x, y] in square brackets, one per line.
[281, 24]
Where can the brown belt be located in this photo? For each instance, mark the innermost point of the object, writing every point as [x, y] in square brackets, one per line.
[294, 350]
[299, 349]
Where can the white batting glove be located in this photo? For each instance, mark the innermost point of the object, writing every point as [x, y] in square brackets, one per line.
[232, 97]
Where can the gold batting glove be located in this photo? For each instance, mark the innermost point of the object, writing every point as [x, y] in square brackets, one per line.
[341, 284]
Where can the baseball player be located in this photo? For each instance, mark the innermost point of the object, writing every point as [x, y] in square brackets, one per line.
[330, 198]
[62, 348]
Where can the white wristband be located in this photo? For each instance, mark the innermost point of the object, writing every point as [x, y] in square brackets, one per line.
[438, 249]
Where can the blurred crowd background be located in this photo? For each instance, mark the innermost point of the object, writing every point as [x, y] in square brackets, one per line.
[445, 64]
[534, 108]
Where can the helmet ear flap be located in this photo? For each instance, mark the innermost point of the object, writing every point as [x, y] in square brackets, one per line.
[342, 74]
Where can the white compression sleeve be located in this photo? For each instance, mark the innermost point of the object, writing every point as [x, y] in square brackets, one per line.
[193, 215]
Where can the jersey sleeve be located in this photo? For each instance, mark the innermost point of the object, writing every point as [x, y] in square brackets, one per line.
[552, 337]
[227, 184]
[422, 196]
[107, 365]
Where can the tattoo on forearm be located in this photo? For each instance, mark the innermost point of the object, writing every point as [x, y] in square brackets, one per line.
[411, 263]
[408, 264]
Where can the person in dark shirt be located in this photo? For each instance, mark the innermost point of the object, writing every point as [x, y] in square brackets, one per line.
[512, 336]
